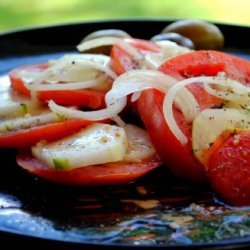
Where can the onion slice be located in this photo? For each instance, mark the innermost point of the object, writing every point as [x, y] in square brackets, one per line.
[104, 41]
[168, 50]
[66, 86]
[109, 112]
[236, 87]
[98, 58]
[231, 90]
[69, 71]
[135, 81]
[97, 42]
[138, 80]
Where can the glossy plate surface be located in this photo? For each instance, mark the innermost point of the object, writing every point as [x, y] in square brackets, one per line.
[158, 211]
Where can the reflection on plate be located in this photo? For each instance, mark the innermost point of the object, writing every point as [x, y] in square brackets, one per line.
[158, 210]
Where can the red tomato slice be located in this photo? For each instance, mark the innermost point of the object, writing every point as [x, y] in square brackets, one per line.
[104, 174]
[142, 44]
[180, 158]
[24, 138]
[228, 167]
[208, 63]
[83, 98]
[17, 83]
[122, 61]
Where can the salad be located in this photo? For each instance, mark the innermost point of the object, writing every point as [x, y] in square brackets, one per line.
[124, 106]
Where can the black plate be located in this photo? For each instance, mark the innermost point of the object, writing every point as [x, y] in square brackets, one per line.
[143, 214]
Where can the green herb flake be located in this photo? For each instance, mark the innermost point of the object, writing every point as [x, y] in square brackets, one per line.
[60, 116]
[8, 127]
[24, 108]
[61, 164]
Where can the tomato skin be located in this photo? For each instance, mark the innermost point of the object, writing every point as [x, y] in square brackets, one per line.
[17, 83]
[228, 168]
[122, 61]
[179, 158]
[208, 63]
[103, 174]
[143, 45]
[24, 138]
[82, 98]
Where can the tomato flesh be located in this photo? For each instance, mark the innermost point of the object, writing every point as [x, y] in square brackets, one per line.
[82, 98]
[208, 63]
[179, 158]
[24, 138]
[103, 174]
[228, 168]
[122, 61]
[17, 83]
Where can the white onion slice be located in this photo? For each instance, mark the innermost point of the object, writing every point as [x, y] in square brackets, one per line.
[168, 50]
[27, 76]
[65, 86]
[234, 91]
[67, 71]
[109, 112]
[104, 41]
[136, 55]
[170, 96]
[97, 42]
[117, 119]
[135, 96]
[101, 59]
[135, 81]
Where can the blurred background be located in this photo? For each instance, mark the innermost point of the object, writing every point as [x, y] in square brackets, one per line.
[16, 14]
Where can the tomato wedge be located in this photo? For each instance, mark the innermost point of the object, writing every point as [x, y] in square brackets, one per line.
[180, 158]
[122, 61]
[104, 174]
[228, 167]
[83, 98]
[24, 138]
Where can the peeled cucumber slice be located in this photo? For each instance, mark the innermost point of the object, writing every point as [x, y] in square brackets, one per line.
[28, 121]
[139, 144]
[96, 144]
[12, 104]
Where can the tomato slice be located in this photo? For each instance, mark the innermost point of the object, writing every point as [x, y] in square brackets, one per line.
[17, 83]
[104, 174]
[143, 45]
[180, 158]
[82, 98]
[24, 138]
[208, 63]
[122, 61]
[228, 167]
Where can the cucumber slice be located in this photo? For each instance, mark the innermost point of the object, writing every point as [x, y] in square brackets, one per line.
[96, 144]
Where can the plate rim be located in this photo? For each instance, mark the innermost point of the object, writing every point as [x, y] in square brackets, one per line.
[241, 242]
